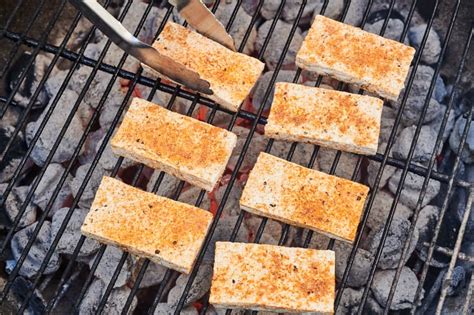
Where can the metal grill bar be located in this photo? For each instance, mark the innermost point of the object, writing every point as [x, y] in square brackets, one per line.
[255, 120]
[438, 143]
[35, 52]
[249, 116]
[15, 48]
[388, 223]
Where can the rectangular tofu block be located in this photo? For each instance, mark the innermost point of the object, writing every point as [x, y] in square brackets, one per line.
[333, 119]
[274, 278]
[352, 55]
[231, 74]
[179, 145]
[303, 197]
[167, 232]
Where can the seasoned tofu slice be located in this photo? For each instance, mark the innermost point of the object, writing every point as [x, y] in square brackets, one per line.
[230, 74]
[333, 119]
[179, 145]
[303, 197]
[273, 278]
[167, 232]
[352, 55]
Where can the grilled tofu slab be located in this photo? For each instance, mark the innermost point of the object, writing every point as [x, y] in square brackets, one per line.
[167, 232]
[352, 55]
[303, 197]
[333, 119]
[179, 145]
[231, 75]
[274, 278]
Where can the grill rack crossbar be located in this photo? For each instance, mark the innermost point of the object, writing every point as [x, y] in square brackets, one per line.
[255, 119]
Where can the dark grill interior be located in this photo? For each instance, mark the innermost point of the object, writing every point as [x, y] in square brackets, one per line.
[71, 56]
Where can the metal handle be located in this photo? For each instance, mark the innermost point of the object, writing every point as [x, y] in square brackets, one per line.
[114, 30]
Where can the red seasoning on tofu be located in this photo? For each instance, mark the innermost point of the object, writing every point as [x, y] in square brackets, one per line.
[273, 278]
[333, 119]
[168, 232]
[303, 197]
[179, 145]
[231, 74]
[352, 55]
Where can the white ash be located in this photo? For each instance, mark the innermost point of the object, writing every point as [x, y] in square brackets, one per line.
[11, 117]
[261, 87]
[11, 161]
[372, 171]
[167, 309]
[113, 55]
[421, 84]
[350, 302]
[412, 188]
[404, 293]
[361, 266]
[272, 231]
[90, 146]
[414, 107]
[190, 196]
[97, 87]
[436, 124]
[180, 105]
[14, 203]
[30, 83]
[49, 135]
[239, 26]
[356, 12]
[345, 166]
[333, 10]
[232, 206]
[91, 299]
[48, 184]
[88, 194]
[386, 126]
[432, 47]
[211, 310]
[269, 9]
[115, 302]
[153, 275]
[425, 225]
[277, 42]
[200, 286]
[467, 153]
[108, 264]
[37, 253]
[423, 148]
[151, 25]
[381, 208]
[292, 8]
[394, 243]
[393, 31]
[222, 233]
[301, 156]
[318, 240]
[257, 145]
[110, 109]
[72, 233]
[168, 185]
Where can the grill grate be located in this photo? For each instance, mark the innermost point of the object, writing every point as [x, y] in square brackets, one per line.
[253, 119]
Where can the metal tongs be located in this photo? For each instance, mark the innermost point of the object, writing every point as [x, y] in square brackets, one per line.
[195, 13]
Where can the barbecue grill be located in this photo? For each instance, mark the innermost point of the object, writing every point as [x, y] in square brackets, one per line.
[252, 118]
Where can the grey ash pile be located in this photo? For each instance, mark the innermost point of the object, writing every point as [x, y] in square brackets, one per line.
[57, 181]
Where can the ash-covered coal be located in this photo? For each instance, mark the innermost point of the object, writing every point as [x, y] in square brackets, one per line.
[72, 233]
[11, 161]
[200, 286]
[108, 264]
[37, 253]
[467, 153]
[15, 201]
